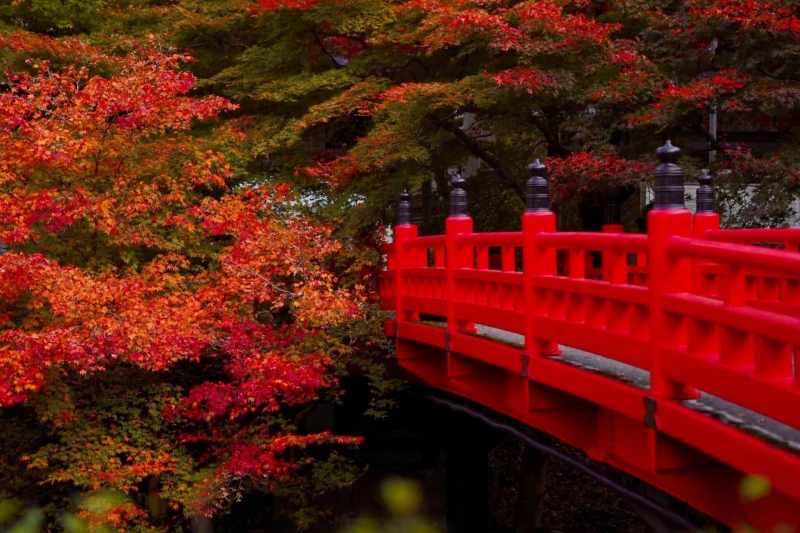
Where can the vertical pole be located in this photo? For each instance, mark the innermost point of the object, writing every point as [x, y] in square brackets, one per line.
[457, 257]
[532, 486]
[705, 218]
[614, 262]
[535, 261]
[668, 217]
[467, 498]
[712, 116]
[613, 218]
[404, 259]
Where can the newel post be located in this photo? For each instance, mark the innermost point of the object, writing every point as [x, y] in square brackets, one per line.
[668, 217]
[705, 218]
[404, 258]
[456, 256]
[538, 218]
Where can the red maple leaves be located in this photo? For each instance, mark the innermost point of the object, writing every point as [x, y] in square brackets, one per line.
[130, 249]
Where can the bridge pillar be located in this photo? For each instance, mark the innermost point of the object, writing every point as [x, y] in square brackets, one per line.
[669, 217]
[467, 473]
[705, 218]
[457, 222]
[614, 262]
[404, 259]
[530, 496]
[537, 219]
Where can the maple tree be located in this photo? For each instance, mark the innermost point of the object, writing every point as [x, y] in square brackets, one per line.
[359, 99]
[163, 317]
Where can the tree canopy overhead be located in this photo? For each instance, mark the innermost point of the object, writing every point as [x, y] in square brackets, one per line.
[370, 96]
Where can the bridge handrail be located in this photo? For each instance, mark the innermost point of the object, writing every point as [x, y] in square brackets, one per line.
[791, 235]
[734, 255]
[429, 241]
[625, 242]
[498, 239]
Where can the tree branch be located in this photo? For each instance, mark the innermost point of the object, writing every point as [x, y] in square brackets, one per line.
[322, 45]
[478, 151]
[766, 73]
[551, 138]
[715, 144]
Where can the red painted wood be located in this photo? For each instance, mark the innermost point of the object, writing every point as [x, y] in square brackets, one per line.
[702, 309]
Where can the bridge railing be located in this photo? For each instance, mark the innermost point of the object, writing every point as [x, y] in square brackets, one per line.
[732, 350]
[779, 292]
[701, 310]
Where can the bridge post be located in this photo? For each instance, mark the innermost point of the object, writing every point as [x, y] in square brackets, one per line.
[614, 262]
[705, 218]
[613, 216]
[467, 456]
[668, 217]
[404, 258]
[537, 219]
[456, 257]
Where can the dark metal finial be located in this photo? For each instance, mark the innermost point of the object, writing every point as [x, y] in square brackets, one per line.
[669, 178]
[404, 210]
[705, 193]
[458, 197]
[613, 209]
[538, 189]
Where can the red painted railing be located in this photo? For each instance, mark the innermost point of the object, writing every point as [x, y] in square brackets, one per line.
[706, 312]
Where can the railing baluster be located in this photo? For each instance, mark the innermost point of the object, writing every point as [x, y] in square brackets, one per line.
[483, 257]
[508, 264]
[440, 257]
[615, 262]
[773, 359]
[577, 264]
[736, 345]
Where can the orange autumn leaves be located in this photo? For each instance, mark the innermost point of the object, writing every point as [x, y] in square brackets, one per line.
[79, 145]
[97, 153]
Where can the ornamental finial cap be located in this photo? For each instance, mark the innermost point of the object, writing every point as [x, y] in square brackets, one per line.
[669, 153]
[668, 187]
[537, 169]
[458, 197]
[705, 178]
[404, 217]
[705, 193]
[537, 197]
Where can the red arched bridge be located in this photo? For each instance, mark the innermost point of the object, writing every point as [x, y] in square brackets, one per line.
[706, 321]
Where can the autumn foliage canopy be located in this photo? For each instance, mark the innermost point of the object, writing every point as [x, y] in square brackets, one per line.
[133, 251]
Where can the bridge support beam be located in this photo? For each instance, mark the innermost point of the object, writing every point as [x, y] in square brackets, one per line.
[467, 479]
[530, 497]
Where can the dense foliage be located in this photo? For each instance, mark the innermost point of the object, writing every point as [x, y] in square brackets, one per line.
[163, 318]
[191, 193]
[371, 96]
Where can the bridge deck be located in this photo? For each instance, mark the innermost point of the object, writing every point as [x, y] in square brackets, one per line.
[730, 413]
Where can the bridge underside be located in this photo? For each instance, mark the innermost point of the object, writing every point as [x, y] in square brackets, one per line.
[663, 443]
